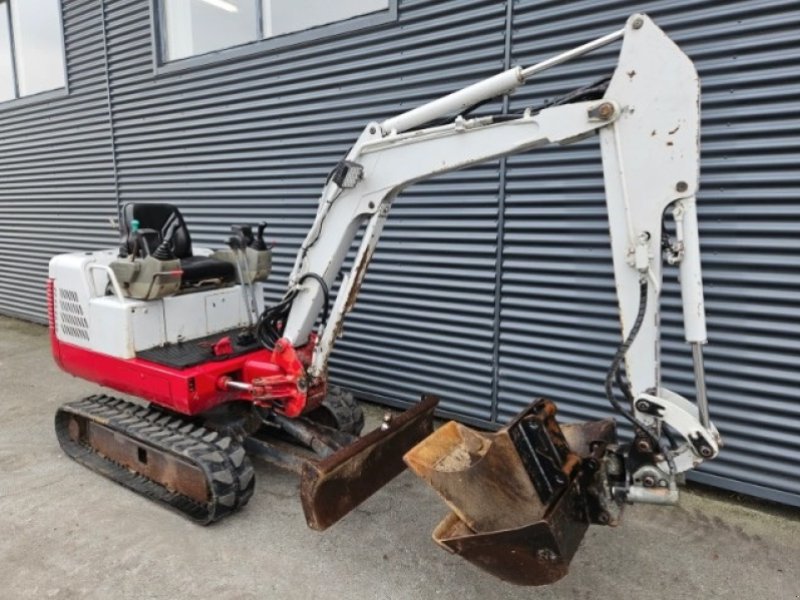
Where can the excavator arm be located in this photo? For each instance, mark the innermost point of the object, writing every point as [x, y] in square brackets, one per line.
[648, 124]
[647, 120]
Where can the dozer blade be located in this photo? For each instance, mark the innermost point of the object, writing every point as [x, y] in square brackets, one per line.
[518, 497]
[332, 487]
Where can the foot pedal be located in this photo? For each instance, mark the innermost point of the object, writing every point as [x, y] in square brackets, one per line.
[518, 496]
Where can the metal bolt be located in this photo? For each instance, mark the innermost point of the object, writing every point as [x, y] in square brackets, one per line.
[649, 481]
[372, 129]
[662, 482]
[387, 420]
[705, 451]
[546, 554]
[682, 186]
[644, 445]
[605, 111]
[603, 518]
[638, 22]
[642, 405]
[371, 205]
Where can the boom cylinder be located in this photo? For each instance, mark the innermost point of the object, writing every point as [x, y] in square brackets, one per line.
[498, 85]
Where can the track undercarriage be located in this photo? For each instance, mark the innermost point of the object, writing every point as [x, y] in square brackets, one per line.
[199, 466]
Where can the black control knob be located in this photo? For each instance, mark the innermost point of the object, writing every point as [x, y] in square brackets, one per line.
[244, 233]
[258, 240]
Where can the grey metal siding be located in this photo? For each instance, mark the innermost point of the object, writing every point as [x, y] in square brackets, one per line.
[253, 137]
[56, 174]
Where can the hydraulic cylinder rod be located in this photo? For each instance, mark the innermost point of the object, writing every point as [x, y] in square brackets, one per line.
[497, 85]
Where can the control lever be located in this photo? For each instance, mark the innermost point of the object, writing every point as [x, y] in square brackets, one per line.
[141, 245]
[244, 233]
[258, 240]
[237, 244]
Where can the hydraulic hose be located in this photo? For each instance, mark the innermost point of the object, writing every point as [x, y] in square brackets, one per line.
[269, 327]
[615, 373]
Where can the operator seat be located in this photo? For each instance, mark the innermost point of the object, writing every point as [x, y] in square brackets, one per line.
[161, 221]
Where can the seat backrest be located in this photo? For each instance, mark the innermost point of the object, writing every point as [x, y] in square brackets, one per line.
[163, 218]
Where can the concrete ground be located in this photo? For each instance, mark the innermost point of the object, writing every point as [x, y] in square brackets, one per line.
[67, 533]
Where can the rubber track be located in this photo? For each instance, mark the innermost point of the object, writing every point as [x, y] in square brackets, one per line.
[345, 410]
[228, 471]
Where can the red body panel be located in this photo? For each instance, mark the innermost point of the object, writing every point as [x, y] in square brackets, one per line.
[188, 391]
[276, 377]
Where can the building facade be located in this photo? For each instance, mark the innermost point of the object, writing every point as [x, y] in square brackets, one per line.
[491, 286]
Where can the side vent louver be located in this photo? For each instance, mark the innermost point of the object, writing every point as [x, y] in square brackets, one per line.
[70, 317]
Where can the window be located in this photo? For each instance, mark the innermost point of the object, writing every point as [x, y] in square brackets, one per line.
[282, 16]
[193, 27]
[31, 48]
[200, 26]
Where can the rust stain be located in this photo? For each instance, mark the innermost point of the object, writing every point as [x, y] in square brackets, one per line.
[173, 472]
[359, 278]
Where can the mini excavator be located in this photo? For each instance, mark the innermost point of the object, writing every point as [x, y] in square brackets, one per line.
[222, 377]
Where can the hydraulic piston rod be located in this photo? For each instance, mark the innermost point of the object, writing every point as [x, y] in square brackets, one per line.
[574, 53]
[700, 384]
[498, 85]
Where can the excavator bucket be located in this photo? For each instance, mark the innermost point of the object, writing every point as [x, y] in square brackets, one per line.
[520, 497]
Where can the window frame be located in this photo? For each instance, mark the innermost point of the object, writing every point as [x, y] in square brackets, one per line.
[46, 95]
[260, 45]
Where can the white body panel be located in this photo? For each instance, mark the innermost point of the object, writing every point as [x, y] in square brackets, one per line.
[87, 317]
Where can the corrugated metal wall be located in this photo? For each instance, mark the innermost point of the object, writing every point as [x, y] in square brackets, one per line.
[254, 137]
[56, 170]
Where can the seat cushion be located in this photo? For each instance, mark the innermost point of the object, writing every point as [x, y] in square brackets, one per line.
[202, 268]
